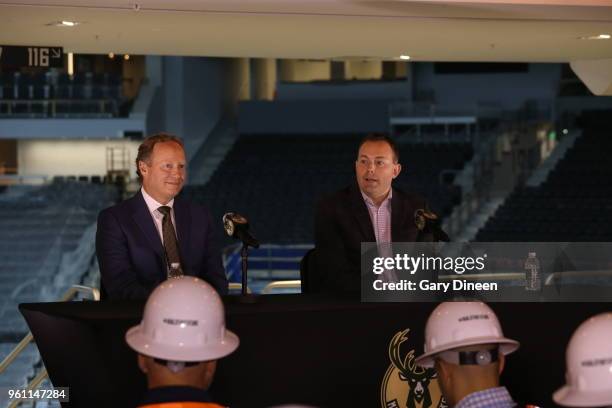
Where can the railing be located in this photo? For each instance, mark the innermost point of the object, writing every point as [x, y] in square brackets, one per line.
[32, 179]
[267, 260]
[238, 287]
[555, 276]
[40, 377]
[288, 284]
[53, 108]
[502, 276]
[475, 183]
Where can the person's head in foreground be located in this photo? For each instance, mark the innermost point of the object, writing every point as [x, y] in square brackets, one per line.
[181, 336]
[588, 373]
[465, 343]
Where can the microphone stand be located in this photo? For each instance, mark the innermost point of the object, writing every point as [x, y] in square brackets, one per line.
[236, 226]
[244, 255]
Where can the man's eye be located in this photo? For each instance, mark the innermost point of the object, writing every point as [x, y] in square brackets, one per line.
[380, 163]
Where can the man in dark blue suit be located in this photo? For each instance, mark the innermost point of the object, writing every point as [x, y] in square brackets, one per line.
[154, 235]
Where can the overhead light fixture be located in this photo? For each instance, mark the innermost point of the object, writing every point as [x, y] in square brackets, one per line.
[70, 64]
[126, 57]
[63, 23]
[111, 55]
[596, 37]
[404, 57]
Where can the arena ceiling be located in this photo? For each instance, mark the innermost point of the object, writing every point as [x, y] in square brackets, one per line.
[435, 30]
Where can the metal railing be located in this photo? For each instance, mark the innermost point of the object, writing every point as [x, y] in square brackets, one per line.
[20, 179]
[238, 286]
[54, 108]
[582, 274]
[20, 347]
[502, 276]
[288, 284]
[267, 259]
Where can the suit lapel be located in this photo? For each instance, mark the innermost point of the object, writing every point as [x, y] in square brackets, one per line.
[398, 215]
[361, 214]
[142, 217]
[182, 216]
[403, 228]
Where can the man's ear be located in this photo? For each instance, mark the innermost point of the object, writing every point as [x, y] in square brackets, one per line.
[502, 362]
[142, 363]
[441, 368]
[396, 170]
[142, 167]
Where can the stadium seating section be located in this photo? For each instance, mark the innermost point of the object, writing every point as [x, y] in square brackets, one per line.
[38, 226]
[53, 94]
[573, 204]
[276, 180]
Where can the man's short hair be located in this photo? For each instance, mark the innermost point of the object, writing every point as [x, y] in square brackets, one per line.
[145, 150]
[381, 137]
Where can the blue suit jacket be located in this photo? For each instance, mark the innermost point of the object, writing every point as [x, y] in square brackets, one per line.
[130, 252]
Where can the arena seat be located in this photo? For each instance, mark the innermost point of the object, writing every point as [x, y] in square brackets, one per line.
[571, 204]
[276, 180]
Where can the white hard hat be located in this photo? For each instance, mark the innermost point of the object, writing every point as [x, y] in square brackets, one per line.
[589, 365]
[459, 324]
[183, 320]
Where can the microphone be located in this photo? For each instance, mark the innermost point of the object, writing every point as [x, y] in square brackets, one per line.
[428, 224]
[237, 226]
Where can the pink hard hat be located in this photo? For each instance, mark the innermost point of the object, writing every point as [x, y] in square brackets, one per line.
[183, 320]
[459, 324]
[588, 365]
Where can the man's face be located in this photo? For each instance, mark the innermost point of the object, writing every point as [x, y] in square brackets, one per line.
[164, 174]
[375, 169]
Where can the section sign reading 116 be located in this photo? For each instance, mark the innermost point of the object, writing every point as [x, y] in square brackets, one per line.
[26, 56]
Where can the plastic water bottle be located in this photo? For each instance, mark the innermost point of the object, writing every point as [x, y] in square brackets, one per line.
[532, 272]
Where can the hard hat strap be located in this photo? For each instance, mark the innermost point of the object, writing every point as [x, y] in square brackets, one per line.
[176, 366]
[477, 357]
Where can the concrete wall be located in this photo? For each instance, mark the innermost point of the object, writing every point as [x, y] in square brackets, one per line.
[70, 157]
[263, 73]
[69, 128]
[343, 91]
[195, 91]
[313, 117]
[507, 90]
[368, 70]
[304, 70]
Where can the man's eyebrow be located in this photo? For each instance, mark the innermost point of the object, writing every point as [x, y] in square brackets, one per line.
[376, 157]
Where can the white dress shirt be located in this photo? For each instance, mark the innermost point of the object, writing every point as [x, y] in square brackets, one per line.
[157, 216]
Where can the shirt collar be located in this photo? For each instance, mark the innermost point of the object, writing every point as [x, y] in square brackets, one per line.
[497, 397]
[175, 393]
[369, 201]
[152, 204]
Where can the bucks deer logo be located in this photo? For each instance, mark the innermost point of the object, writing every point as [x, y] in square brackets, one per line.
[407, 385]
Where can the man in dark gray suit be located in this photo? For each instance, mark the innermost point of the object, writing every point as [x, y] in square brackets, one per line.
[369, 210]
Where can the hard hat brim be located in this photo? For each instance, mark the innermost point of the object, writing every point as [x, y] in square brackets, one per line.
[506, 346]
[571, 397]
[143, 345]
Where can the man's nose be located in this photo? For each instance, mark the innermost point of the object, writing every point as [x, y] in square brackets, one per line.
[177, 171]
